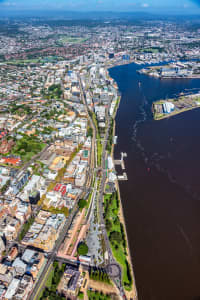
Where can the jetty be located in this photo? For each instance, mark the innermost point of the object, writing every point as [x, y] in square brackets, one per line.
[121, 161]
[122, 177]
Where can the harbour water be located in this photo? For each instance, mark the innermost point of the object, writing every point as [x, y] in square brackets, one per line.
[161, 199]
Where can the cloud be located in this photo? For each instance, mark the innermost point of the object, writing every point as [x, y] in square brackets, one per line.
[8, 3]
[145, 5]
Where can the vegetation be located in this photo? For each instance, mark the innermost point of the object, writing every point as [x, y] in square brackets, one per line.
[20, 109]
[90, 132]
[54, 210]
[27, 147]
[117, 236]
[71, 40]
[99, 275]
[89, 199]
[82, 248]
[26, 228]
[97, 295]
[41, 200]
[110, 138]
[50, 291]
[99, 152]
[53, 92]
[48, 130]
[99, 144]
[82, 203]
[5, 186]
[80, 295]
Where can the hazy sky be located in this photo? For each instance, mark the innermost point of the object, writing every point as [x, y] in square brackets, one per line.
[183, 6]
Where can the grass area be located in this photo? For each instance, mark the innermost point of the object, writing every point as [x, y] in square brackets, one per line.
[99, 275]
[110, 137]
[81, 295]
[23, 61]
[53, 92]
[94, 295]
[117, 236]
[89, 199]
[27, 147]
[33, 60]
[71, 40]
[99, 144]
[26, 228]
[150, 50]
[49, 279]
[53, 279]
[116, 106]
[99, 152]
[54, 210]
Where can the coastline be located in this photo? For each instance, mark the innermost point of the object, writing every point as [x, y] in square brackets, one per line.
[170, 77]
[173, 114]
[132, 294]
[181, 105]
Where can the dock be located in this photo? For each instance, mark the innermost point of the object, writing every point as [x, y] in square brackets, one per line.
[121, 161]
[122, 177]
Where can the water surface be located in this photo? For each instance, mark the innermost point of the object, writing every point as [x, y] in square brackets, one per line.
[161, 206]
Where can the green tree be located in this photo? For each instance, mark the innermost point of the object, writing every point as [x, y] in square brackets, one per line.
[108, 225]
[82, 248]
[80, 295]
[82, 203]
[115, 236]
[90, 132]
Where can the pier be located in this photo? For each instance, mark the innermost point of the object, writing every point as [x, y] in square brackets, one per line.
[122, 177]
[121, 161]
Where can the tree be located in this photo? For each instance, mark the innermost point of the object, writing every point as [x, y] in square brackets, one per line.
[90, 132]
[82, 248]
[80, 295]
[116, 221]
[108, 225]
[82, 203]
[115, 236]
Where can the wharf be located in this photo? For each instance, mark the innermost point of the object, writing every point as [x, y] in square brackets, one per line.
[121, 161]
[122, 177]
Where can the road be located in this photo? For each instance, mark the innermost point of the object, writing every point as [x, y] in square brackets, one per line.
[40, 284]
[52, 255]
[112, 261]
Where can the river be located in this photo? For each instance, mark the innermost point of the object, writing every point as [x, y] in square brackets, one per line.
[161, 199]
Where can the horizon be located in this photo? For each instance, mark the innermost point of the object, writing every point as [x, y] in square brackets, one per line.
[183, 7]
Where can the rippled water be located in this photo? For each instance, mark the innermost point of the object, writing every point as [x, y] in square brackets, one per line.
[161, 199]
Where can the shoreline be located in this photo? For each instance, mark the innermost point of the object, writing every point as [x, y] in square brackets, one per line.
[168, 77]
[178, 105]
[133, 293]
[173, 114]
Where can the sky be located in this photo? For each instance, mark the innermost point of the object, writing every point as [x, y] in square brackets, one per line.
[181, 6]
